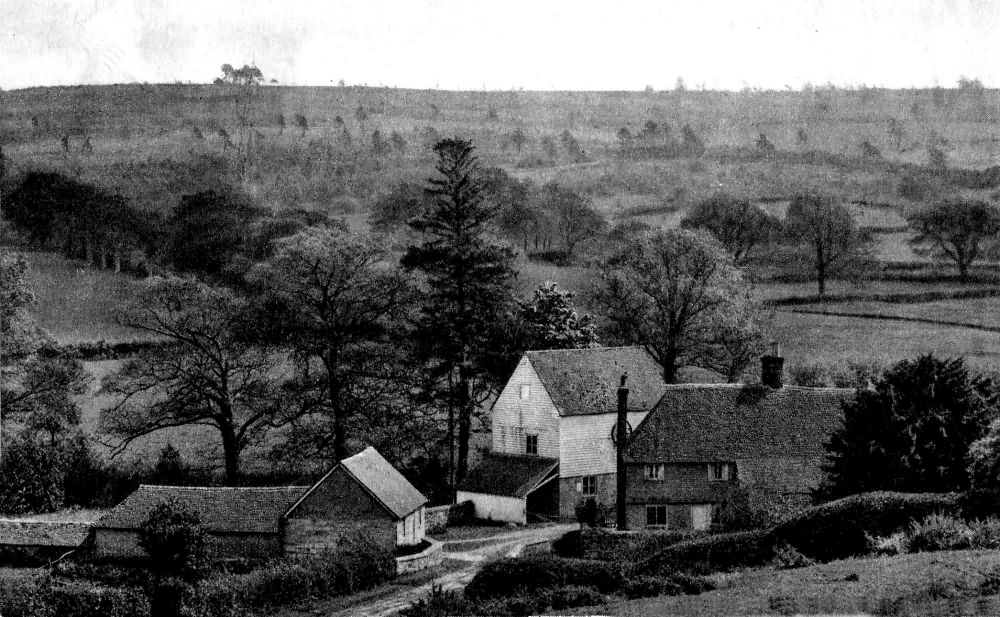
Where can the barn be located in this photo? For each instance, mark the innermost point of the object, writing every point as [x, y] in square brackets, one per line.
[363, 495]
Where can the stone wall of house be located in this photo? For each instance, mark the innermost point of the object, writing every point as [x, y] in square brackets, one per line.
[439, 518]
[571, 494]
[309, 535]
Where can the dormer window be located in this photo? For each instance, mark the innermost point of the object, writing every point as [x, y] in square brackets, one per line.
[525, 391]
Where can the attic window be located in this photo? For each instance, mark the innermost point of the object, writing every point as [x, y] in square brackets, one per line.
[525, 391]
[655, 471]
[531, 444]
[721, 471]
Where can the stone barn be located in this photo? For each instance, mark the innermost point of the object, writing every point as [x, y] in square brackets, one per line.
[363, 495]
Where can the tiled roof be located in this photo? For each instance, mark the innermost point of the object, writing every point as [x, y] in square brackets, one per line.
[221, 509]
[379, 477]
[725, 422]
[585, 381]
[511, 475]
[43, 533]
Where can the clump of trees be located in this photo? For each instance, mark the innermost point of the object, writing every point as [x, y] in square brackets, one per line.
[743, 228]
[958, 231]
[827, 233]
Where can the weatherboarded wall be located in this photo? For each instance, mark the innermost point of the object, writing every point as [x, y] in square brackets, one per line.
[586, 446]
[535, 415]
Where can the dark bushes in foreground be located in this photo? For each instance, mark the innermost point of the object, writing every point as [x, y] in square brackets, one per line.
[527, 574]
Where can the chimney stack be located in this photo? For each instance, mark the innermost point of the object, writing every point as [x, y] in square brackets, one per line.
[772, 367]
[621, 434]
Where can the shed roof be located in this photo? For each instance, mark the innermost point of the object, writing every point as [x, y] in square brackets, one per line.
[510, 475]
[725, 422]
[383, 481]
[221, 509]
[585, 381]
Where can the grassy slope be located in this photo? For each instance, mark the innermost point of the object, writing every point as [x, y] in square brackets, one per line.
[825, 588]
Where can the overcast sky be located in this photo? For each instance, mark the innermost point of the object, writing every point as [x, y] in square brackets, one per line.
[504, 44]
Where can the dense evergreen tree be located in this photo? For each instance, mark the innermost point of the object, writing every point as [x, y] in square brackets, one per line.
[468, 279]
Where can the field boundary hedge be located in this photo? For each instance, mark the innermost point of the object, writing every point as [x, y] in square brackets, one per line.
[919, 297]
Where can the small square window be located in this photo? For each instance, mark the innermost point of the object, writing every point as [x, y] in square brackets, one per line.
[721, 471]
[656, 516]
[531, 444]
[589, 485]
[655, 471]
[525, 391]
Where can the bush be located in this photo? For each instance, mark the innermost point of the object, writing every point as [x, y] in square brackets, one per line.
[568, 544]
[712, 553]
[174, 538]
[572, 596]
[986, 533]
[350, 568]
[608, 545]
[894, 544]
[650, 587]
[938, 532]
[79, 599]
[527, 574]
[787, 557]
[840, 528]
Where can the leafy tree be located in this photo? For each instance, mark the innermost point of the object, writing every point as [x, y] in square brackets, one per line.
[380, 147]
[175, 540]
[512, 199]
[741, 227]
[207, 375]
[896, 133]
[19, 335]
[801, 138]
[333, 298]
[764, 145]
[550, 321]
[912, 431]
[572, 147]
[398, 143]
[692, 145]
[402, 203]
[280, 120]
[31, 477]
[207, 229]
[624, 140]
[827, 231]
[957, 231]
[302, 123]
[673, 291]
[869, 151]
[169, 469]
[518, 138]
[468, 285]
[573, 217]
[549, 147]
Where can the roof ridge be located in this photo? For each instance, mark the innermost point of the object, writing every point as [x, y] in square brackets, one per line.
[218, 488]
[600, 348]
[721, 386]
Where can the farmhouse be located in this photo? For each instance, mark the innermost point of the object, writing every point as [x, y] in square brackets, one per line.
[363, 495]
[552, 448]
[703, 442]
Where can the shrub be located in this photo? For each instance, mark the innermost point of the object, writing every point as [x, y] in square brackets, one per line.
[568, 544]
[174, 538]
[938, 532]
[527, 574]
[787, 557]
[572, 596]
[438, 603]
[894, 544]
[650, 586]
[712, 553]
[693, 585]
[608, 545]
[80, 599]
[838, 529]
[985, 533]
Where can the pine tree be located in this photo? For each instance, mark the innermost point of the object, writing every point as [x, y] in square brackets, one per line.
[469, 279]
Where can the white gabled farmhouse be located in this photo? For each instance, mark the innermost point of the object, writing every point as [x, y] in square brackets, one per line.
[559, 407]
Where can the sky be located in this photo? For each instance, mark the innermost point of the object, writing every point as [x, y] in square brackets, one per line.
[505, 44]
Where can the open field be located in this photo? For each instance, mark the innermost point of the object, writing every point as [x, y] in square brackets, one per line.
[976, 312]
[941, 583]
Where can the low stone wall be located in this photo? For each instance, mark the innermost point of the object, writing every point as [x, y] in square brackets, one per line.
[430, 556]
[438, 518]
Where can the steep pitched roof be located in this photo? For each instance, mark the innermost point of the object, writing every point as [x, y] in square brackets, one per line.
[510, 475]
[377, 475]
[221, 509]
[585, 381]
[724, 422]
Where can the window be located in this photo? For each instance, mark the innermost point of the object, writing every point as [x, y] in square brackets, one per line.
[701, 517]
[722, 471]
[656, 516]
[588, 485]
[525, 391]
[656, 471]
[531, 444]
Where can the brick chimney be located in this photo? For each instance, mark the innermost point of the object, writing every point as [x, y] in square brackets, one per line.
[771, 367]
[621, 435]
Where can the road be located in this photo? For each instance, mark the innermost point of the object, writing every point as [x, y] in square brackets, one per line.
[473, 553]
